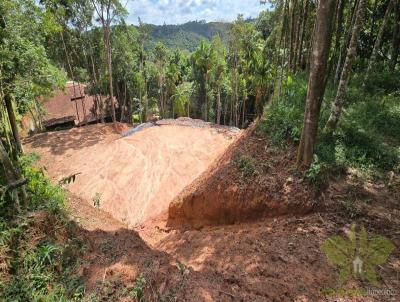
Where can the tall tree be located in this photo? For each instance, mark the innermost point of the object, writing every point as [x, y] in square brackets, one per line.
[203, 62]
[346, 39]
[144, 33]
[293, 30]
[107, 12]
[302, 32]
[396, 37]
[337, 105]
[24, 63]
[316, 88]
[218, 72]
[378, 40]
[161, 56]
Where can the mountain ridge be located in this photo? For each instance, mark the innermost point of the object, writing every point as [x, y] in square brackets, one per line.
[187, 36]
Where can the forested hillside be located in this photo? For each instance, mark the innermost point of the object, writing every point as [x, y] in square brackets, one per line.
[313, 84]
[187, 36]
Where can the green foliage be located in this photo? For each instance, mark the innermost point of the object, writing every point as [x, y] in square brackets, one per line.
[283, 119]
[27, 72]
[35, 264]
[314, 171]
[138, 289]
[379, 82]
[182, 97]
[186, 36]
[39, 276]
[246, 165]
[43, 194]
[367, 136]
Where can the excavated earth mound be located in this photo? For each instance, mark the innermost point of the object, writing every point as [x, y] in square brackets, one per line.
[133, 178]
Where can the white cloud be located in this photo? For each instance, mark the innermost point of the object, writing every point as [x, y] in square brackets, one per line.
[181, 11]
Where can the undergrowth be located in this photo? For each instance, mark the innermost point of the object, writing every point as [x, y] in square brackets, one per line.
[367, 137]
[246, 165]
[38, 251]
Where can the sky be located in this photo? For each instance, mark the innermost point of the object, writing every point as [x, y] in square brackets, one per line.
[181, 11]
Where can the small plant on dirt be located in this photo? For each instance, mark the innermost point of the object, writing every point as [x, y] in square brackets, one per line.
[317, 174]
[97, 200]
[138, 289]
[46, 253]
[350, 208]
[246, 165]
[315, 169]
[183, 269]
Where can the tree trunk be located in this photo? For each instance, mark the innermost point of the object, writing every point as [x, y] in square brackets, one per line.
[13, 122]
[146, 99]
[205, 98]
[244, 110]
[292, 33]
[161, 99]
[378, 40]
[339, 24]
[39, 114]
[95, 82]
[107, 41]
[218, 106]
[303, 32]
[71, 74]
[298, 35]
[346, 41]
[396, 38]
[315, 92]
[13, 176]
[334, 29]
[337, 105]
[123, 105]
[338, 36]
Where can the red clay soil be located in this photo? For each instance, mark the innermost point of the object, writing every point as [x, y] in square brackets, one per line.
[248, 182]
[271, 259]
[135, 177]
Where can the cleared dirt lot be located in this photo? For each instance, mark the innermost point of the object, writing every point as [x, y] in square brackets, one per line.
[263, 259]
[136, 177]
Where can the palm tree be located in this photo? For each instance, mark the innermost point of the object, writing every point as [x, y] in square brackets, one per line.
[218, 72]
[160, 53]
[202, 60]
[260, 77]
[181, 98]
[172, 80]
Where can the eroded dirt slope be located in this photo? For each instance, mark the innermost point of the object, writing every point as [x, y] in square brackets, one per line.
[250, 181]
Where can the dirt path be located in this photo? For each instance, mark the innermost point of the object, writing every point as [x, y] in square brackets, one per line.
[270, 260]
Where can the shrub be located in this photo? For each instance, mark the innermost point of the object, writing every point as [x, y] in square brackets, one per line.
[138, 290]
[43, 194]
[284, 118]
[246, 165]
[379, 82]
[36, 264]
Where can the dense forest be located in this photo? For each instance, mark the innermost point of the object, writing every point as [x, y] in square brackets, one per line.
[322, 76]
